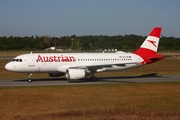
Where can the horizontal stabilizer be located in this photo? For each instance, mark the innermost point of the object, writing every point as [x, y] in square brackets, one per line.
[156, 58]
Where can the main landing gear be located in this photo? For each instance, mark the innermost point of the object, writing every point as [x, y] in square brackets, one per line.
[29, 78]
[93, 78]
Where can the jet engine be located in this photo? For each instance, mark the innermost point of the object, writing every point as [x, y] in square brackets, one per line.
[56, 74]
[75, 74]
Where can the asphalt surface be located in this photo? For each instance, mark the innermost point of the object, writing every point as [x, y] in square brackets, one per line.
[100, 80]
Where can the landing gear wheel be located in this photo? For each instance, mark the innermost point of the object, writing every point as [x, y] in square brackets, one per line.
[94, 79]
[29, 80]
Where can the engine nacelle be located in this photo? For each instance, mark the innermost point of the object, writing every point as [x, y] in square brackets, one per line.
[56, 74]
[75, 74]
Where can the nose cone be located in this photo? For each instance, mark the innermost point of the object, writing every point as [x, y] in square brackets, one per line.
[9, 67]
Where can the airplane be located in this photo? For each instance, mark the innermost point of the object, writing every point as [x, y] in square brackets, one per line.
[80, 65]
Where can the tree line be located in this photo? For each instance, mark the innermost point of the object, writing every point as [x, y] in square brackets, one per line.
[85, 43]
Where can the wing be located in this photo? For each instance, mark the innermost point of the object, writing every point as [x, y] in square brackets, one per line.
[101, 68]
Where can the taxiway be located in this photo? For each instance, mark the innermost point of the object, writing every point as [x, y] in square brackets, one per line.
[100, 80]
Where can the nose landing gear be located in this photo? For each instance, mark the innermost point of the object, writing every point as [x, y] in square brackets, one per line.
[29, 78]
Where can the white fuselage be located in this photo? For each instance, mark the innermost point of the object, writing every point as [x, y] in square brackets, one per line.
[60, 62]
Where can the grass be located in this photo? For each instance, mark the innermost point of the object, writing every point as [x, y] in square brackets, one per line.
[12, 53]
[158, 101]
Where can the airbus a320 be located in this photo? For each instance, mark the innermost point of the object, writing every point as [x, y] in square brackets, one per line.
[80, 65]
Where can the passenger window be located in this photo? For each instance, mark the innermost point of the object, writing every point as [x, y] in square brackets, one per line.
[20, 60]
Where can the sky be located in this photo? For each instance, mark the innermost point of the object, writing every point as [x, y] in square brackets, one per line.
[57, 18]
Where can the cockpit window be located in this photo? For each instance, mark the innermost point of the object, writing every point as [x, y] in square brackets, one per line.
[17, 60]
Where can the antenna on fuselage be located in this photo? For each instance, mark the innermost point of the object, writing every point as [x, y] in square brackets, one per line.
[31, 52]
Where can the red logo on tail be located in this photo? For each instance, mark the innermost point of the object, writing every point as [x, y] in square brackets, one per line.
[152, 42]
